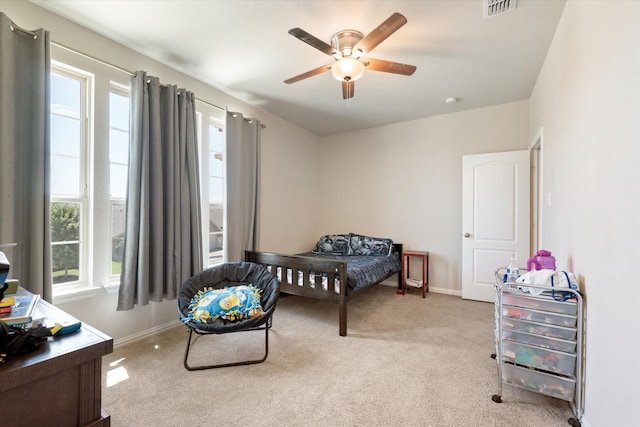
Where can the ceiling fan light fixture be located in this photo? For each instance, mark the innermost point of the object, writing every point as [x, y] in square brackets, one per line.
[347, 69]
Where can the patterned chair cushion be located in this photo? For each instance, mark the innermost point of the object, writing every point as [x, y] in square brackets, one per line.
[229, 304]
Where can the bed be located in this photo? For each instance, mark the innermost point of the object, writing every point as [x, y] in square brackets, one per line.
[340, 267]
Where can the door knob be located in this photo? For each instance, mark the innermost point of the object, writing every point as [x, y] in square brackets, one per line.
[467, 235]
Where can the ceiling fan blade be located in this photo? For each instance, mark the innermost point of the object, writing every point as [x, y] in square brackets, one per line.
[348, 89]
[375, 37]
[389, 66]
[308, 74]
[313, 41]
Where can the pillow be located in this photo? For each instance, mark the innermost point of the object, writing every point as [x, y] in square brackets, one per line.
[365, 245]
[333, 244]
[227, 304]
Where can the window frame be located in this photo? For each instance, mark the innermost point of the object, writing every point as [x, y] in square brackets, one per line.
[208, 117]
[125, 91]
[86, 80]
[214, 126]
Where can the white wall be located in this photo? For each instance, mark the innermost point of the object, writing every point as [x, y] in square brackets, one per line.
[290, 186]
[587, 100]
[286, 221]
[404, 181]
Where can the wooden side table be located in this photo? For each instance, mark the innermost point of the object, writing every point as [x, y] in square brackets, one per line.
[424, 257]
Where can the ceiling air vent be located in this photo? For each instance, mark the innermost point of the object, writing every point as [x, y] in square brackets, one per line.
[497, 7]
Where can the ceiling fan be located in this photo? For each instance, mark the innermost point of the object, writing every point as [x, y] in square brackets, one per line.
[348, 48]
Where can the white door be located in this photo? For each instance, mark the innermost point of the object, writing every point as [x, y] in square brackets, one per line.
[495, 218]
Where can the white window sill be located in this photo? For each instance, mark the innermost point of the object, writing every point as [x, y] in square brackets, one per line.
[83, 293]
[78, 294]
[112, 288]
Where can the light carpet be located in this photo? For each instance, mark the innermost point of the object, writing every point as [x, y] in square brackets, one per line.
[407, 361]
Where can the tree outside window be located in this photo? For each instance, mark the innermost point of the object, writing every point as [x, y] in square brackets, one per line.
[65, 238]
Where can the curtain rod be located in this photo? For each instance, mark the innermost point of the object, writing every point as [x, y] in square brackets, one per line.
[14, 27]
[115, 67]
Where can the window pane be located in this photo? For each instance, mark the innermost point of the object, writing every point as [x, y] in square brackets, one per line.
[65, 239]
[119, 146]
[215, 164]
[216, 219]
[65, 95]
[65, 175]
[65, 136]
[118, 143]
[215, 139]
[118, 179]
[119, 111]
[215, 248]
[117, 236]
[215, 190]
[66, 262]
[65, 222]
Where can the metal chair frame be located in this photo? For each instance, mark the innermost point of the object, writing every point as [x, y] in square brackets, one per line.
[201, 332]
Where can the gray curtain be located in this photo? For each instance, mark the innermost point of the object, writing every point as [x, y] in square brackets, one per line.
[163, 240]
[24, 155]
[242, 208]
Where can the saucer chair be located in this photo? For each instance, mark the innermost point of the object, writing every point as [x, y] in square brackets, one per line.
[229, 275]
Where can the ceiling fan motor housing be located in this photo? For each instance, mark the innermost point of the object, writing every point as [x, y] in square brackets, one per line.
[345, 40]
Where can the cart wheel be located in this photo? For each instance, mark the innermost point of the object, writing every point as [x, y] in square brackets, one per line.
[493, 355]
[496, 398]
[574, 422]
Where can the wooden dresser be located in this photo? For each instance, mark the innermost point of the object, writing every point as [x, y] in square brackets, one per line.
[59, 384]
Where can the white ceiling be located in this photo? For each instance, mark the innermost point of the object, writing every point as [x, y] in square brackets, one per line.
[242, 48]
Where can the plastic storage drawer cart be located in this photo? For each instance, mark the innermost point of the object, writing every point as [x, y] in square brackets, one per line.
[539, 342]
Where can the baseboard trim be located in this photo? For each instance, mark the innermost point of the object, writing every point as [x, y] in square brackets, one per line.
[146, 333]
[434, 289]
[437, 290]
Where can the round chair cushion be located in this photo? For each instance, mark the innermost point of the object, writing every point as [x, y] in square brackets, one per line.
[228, 275]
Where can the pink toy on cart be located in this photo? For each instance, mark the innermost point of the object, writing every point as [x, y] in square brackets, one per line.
[542, 260]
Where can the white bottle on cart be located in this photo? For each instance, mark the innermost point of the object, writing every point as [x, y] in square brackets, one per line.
[513, 272]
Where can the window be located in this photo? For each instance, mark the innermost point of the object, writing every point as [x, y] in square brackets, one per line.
[216, 193]
[69, 221]
[119, 160]
[89, 155]
[90, 104]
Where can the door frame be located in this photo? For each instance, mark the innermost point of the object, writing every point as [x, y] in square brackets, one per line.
[537, 191]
